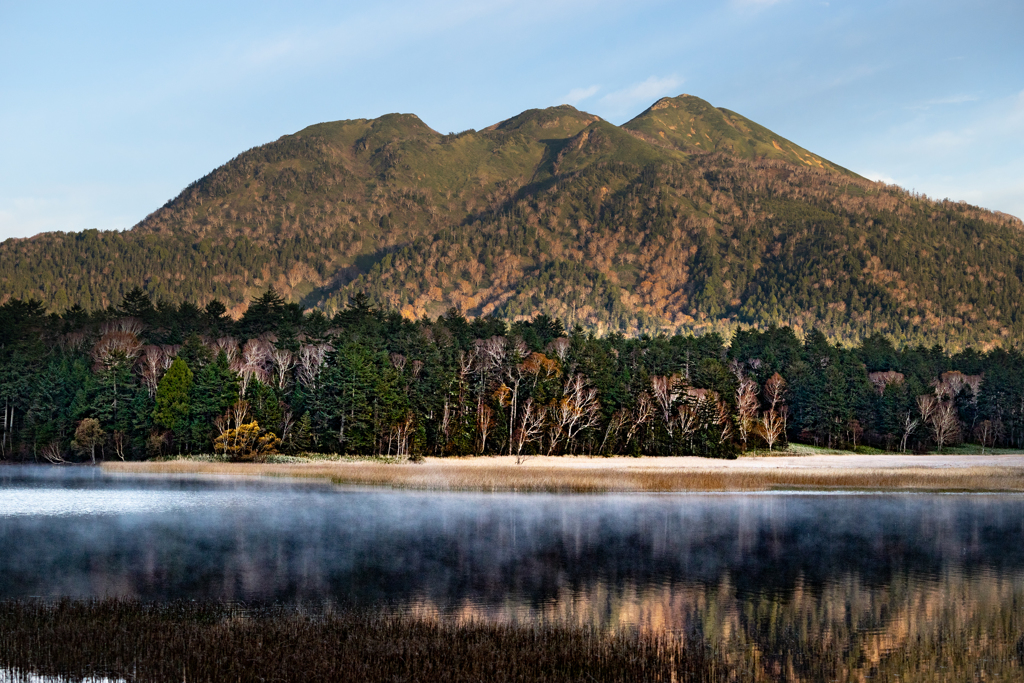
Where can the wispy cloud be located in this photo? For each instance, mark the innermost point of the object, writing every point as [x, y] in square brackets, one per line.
[577, 95]
[756, 4]
[944, 101]
[977, 155]
[643, 93]
[955, 99]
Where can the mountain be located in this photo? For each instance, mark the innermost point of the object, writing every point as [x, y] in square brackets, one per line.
[687, 217]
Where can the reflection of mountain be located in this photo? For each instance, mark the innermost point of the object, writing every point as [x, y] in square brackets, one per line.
[817, 586]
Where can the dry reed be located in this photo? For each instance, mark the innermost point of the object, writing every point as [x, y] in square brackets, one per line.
[210, 642]
[472, 475]
[789, 640]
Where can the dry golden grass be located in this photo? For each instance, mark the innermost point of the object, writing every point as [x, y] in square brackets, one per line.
[598, 475]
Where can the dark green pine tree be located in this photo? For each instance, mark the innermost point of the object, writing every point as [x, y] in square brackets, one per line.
[137, 304]
[49, 419]
[215, 320]
[265, 406]
[173, 398]
[302, 435]
[265, 314]
[362, 385]
[315, 326]
[115, 385]
[195, 353]
[214, 390]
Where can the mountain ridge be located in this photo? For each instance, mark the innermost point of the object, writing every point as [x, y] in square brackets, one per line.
[632, 228]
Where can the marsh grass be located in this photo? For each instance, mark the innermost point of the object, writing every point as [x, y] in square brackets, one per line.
[600, 476]
[770, 639]
[190, 641]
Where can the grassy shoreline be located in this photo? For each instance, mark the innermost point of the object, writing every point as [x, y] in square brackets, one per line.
[628, 475]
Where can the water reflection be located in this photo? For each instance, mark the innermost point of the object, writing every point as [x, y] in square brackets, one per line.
[750, 572]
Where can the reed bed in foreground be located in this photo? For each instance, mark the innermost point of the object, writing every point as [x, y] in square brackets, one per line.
[208, 642]
[468, 475]
[123, 640]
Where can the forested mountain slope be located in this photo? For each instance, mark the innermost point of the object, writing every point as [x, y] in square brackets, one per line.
[688, 217]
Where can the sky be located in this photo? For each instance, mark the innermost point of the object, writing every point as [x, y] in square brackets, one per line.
[109, 109]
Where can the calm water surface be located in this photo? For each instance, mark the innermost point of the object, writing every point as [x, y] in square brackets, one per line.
[723, 564]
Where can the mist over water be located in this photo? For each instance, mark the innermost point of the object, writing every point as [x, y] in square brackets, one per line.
[679, 561]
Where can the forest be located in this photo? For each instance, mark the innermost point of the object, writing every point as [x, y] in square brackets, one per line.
[142, 380]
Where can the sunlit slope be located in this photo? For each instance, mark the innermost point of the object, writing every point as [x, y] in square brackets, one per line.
[686, 218]
[690, 124]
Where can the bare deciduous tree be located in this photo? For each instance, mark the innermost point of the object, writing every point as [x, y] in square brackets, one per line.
[229, 345]
[771, 426]
[642, 414]
[284, 361]
[255, 360]
[53, 453]
[941, 418]
[926, 406]
[666, 390]
[618, 420]
[775, 391]
[559, 348]
[151, 366]
[114, 347]
[775, 394]
[397, 361]
[746, 408]
[119, 440]
[988, 432]
[577, 410]
[312, 358]
[484, 421]
[910, 423]
[721, 419]
[531, 426]
[398, 437]
[491, 353]
[132, 326]
[688, 418]
[170, 353]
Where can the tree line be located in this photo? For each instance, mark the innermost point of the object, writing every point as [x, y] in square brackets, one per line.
[143, 380]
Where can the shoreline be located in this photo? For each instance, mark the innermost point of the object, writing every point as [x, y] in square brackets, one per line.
[584, 474]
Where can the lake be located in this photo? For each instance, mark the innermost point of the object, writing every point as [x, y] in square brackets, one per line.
[743, 570]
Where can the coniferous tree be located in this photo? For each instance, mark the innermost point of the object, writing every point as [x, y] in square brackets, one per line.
[266, 406]
[302, 437]
[173, 398]
[214, 390]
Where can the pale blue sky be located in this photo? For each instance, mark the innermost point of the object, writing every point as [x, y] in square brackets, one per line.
[108, 109]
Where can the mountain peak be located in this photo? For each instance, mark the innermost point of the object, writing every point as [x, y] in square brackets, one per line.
[690, 124]
[560, 121]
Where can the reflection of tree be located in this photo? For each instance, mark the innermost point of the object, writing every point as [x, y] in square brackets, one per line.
[910, 628]
[825, 587]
